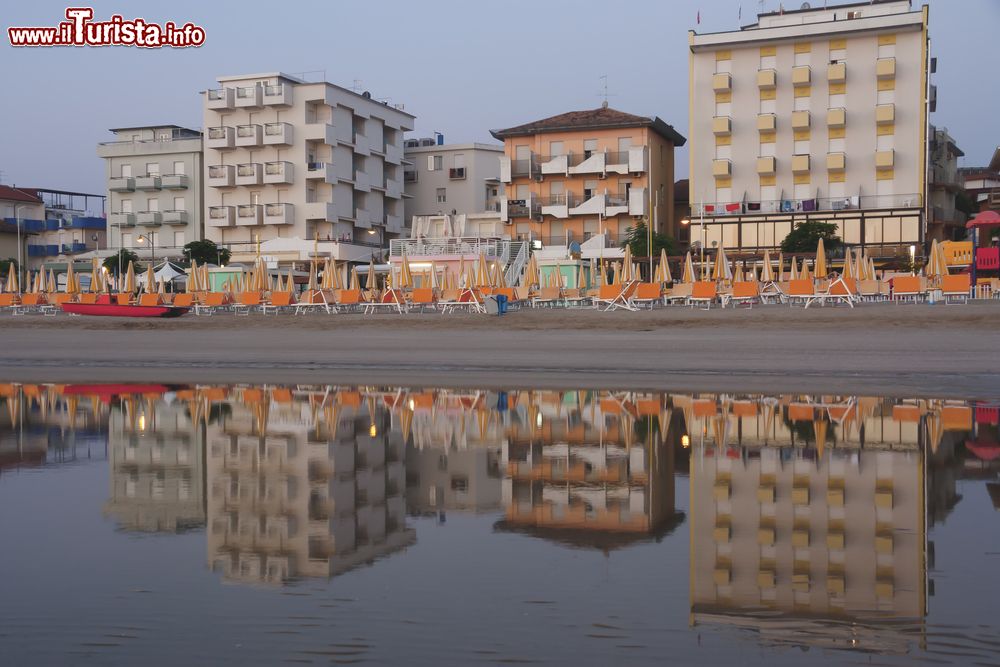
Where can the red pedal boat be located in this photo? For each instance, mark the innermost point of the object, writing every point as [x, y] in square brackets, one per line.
[105, 307]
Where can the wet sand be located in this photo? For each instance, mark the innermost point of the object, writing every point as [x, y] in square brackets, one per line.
[899, 350]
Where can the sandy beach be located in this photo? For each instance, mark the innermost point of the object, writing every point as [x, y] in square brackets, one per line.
[889, 349]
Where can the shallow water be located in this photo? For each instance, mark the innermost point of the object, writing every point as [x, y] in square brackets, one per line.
[315, 524]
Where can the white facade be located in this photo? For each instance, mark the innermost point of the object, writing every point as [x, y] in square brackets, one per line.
[451, 178]
[155, 190]
[812, 114]
[285, 158]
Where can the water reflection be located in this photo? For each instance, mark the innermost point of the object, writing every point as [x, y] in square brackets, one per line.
[808, 516]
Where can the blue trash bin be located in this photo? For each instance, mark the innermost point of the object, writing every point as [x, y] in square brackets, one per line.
[501, 304]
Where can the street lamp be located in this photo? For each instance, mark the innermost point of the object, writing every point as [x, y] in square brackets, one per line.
[143, 238]
[371, 232]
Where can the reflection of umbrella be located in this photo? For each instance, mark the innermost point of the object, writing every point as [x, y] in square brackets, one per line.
[985, 451]
[820, 266]
[819, 427]
[766, 275]
[935, 429]
[688, 276]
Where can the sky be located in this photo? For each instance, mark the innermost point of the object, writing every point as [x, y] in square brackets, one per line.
[461, 66]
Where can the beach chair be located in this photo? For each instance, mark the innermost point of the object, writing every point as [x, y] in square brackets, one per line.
[351, 299]
[124, 299]
[391, 299]
[184, 300]
[868, 290]
[150, 299]
[606, 294]
[801, 290]
[450, 299]
[703, 292]
[279, 301]
[574, 297]
[745, 292]
[212, 301]
[625, 297]
[956, 287]
[89, 298]
[842, 289]
[32, 302]
[678, 294]
[10, 301]
[423, 297]
[314, 300]
[522, 295]
[648, 294]
[247, 302]
[547, 296]
[908, 288]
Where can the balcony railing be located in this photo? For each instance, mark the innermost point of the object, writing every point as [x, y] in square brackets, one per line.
[410, 176]
[456, 173]
[807, 205]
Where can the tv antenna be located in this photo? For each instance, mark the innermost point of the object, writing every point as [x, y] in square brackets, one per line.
[604, 90]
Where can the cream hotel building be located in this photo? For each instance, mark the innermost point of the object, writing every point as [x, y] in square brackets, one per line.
[812, 114]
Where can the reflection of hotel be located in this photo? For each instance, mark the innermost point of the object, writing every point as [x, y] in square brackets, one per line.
[302, 488]
[588, 468]
[828, 531]
[157, 466]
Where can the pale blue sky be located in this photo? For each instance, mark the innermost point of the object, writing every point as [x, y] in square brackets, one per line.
[461, 66]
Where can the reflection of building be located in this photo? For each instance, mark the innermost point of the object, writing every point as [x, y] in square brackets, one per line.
[157, 467]
[834, 531]
[589, 468]
[291, 494]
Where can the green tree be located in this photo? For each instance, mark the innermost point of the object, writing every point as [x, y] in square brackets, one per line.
[5, 267]
[805, 237]
[965, 203]
[122, 259]
[206, 252]
[637, 239]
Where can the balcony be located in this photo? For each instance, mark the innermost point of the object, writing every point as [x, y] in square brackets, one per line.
[836, 117]
[616, 203]
[174, 181]
[722, 126]
[557, 205]
[279, 214]
[800, 164]
[520, 208]
[638, 201]
[220, 138]
[249, 214]
[800, 120]
[278, 172]
[410, 176]
[722, 82]
[220, 98]
[221, 176]
[766, 166]
[595, 204]
[122, 219]
[393, 153]
[221, 216]
[885, 159]
[249, 173]
[175, 217]
[525, 168]
[73, 248]
[456, 173]
[587, 163]
[556, 164]
[836, 161]
[801, 76]
[767, 122]
[885, 68]
[321, 171]
[121, 184]
[836, 73]
[278, 134]
[322, 132]
[249, 135]
[722, 168]
[320, 210]
[767, 79]
[149, 218]
[248, 97]
[277, 95]
[148, 182]
[885, 114]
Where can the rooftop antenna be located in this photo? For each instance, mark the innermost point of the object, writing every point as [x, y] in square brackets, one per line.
[1, 176]
[604, 91]
[357, 86]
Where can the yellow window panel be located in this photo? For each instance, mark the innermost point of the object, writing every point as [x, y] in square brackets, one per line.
[885, 40]
[765, 494]
[837, 132]
[803, 91]
[765, 579]
[723, 55]
[837, 177]
[885, 130]
[802, 135]
[835, 541]
[838, 44]
[768, 51]
[885, 174]
[803, 47]
[835, 585]
[769, 94]
[724, 141]
[767, 180]
[767, 137]
[723, 97]
[725, 182]
[801, 179]
[838, 88]
[721, 576]
[886, 84]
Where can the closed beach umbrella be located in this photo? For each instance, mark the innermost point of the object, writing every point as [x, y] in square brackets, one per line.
[50, 287]
[849, 271]
[356, 281]
[581, 277]
[433, 278]
[688, 276]
[150, 279]
[130, 278]
[628, 274]
[312, 285]
[721, 270]
[933, 261]
[70, 279]
[615, 275]
[820, 266]
[794, 274]
[804, 273]
[191, 285]
[482, 271]
[12, 285]
[665, 276]
[160, 287]
[372, 280]
[95, 275]
[405, 274]
[766, 275]
[461, 267]
[820, 427]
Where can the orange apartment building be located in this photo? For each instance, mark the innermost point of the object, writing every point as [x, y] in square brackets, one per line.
[583, 173]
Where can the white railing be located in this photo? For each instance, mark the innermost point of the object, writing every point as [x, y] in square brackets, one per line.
[811, 204]
[491, 247]
[513, 273]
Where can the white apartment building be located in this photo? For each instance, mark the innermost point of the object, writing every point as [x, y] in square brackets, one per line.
[812, 114]
[301, 167]
[450, 179]
[155, 192]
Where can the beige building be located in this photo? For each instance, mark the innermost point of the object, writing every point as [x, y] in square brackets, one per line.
[20, 210]
[451, 179]
[295, 164]
[812, 115]
[155, 189]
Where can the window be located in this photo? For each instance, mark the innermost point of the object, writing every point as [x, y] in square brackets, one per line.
[589, 147]
[801, 147]
[126, 171]
[802, 59]
[459, 161]
[179, 239]
[768, 106]
[179, 204]
[126, 206]
[624, 143]
[522, 153]
[556, 148]
[723, 195]
[523, 193]
[837, 145]
[769, 62]
[885, 97]
[152, 168]
[801, 104]
[803, 191]
[153, 204]
[589, 189]
[887, 51]
[591, 227]
[127, 241]
[724, 152]
[255, 198]
[769, 150]
[838, 101]
[442, 195]
[556, 188]
[435, 163]
[885, 142]
[839, 55]
[724, 109]
[178, 166]
[723, 66]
